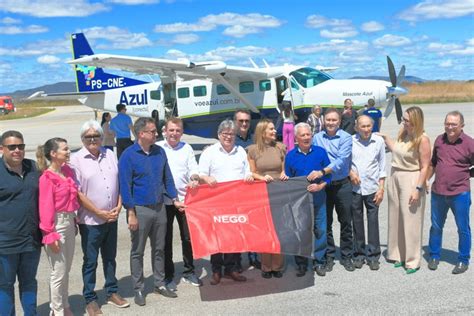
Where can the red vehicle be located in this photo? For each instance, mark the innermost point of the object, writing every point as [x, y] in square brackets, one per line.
[6, 105]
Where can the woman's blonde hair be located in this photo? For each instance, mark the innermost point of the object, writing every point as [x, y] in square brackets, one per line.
[416, 117]
[43, 153]
[259, 137]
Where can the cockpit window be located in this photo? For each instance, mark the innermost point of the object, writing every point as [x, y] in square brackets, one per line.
[309, 77]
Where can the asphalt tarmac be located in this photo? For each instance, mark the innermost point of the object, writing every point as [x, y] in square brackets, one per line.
[388, 291]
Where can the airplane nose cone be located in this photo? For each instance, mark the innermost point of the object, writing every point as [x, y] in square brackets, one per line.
[397, 91]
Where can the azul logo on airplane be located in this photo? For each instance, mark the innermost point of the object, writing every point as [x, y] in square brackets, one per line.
[134, 98]
[88, 71]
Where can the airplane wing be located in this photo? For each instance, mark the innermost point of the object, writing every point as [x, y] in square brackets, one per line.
[63, 96]
[167, 68]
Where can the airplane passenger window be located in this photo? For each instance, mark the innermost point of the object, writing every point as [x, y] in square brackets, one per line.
[246, 87]
[155, 95]
[265, 85]
[221, 90]
[200, 91]
[183, 93]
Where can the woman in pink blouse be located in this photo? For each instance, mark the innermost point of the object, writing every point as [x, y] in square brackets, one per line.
[58, 204]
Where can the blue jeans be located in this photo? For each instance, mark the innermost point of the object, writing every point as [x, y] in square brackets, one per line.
[24, 265]
[459, 204]
[94, 238]
[320, 230]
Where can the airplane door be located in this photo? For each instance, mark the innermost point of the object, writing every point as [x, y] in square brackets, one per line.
[281, 84]
[169, 95]
[295, 94]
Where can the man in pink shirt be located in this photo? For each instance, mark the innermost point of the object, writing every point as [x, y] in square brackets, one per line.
[97, 175]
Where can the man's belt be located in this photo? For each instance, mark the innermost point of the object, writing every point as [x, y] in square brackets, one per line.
[340, 182]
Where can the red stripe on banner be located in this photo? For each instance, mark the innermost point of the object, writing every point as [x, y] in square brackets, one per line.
[230, 217]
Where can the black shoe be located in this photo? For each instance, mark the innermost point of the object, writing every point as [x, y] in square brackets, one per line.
[348, 265]
[163, 290]
[433, 264]
[267, 275]
[320, 269]
[374, 265]
[358, 264]
[301, 271]
[139, 298]
[255, 263]
[277, 274]
[329, 264]
[460, 268]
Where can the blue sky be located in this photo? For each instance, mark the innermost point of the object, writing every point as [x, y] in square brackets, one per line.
[433, 38]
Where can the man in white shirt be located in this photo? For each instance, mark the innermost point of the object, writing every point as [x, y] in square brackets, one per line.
[368, 178]
[221, 162]
[184, 168]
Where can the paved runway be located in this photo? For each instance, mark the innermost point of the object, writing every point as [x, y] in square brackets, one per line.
[387, 291]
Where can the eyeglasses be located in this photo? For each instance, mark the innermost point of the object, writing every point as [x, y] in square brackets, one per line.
[153, 131]
[15, 146]
[451, 125]
[243, 121]
[92, 137]
[230, 135]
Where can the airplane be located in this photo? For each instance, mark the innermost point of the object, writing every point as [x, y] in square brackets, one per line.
[205, 93]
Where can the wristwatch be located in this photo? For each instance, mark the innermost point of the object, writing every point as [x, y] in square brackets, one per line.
[323, 172]
[419, 188]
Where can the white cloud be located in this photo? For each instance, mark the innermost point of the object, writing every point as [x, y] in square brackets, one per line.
[335, 45]
[9, 20]
[446, 63]
[319, 21]
[44, 47]
[133, 2]
[240, 31]
[372, 26]
[392, 40]
[48, 59]
[52, 8]
[463, 52]
[185, 39]
[437, 9]
[118, 38]
[238, 25]
[470, 42]
[442, 48]
[30, 29]
[339, 32]
[222, 53]
[183, 27]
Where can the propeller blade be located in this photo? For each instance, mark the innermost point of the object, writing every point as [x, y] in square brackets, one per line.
[389, 107]
[398, 110]
[401, 76]
[391, 72]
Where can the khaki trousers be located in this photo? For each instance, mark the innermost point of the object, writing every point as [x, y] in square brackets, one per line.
[405, 222]
[60, 263]
[272, 262]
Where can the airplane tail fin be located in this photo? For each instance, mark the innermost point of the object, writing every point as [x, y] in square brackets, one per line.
[90, 78]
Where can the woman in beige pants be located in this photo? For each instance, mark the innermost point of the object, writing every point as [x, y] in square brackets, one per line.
[406, 191]
[58, 204]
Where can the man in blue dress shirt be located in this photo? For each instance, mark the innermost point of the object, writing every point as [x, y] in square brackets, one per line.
[338, 145]
[145, 177]
[121, 124]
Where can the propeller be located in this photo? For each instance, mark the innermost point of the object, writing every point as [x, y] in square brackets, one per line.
[395, 90]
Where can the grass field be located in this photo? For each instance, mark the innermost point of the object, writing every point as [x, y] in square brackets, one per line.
[34, 108]
[438, 92]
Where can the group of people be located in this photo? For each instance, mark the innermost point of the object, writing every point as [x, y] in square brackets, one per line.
[45, 203]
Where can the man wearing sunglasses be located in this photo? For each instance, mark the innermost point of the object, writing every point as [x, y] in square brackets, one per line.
[20, 237]
[242, 120]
